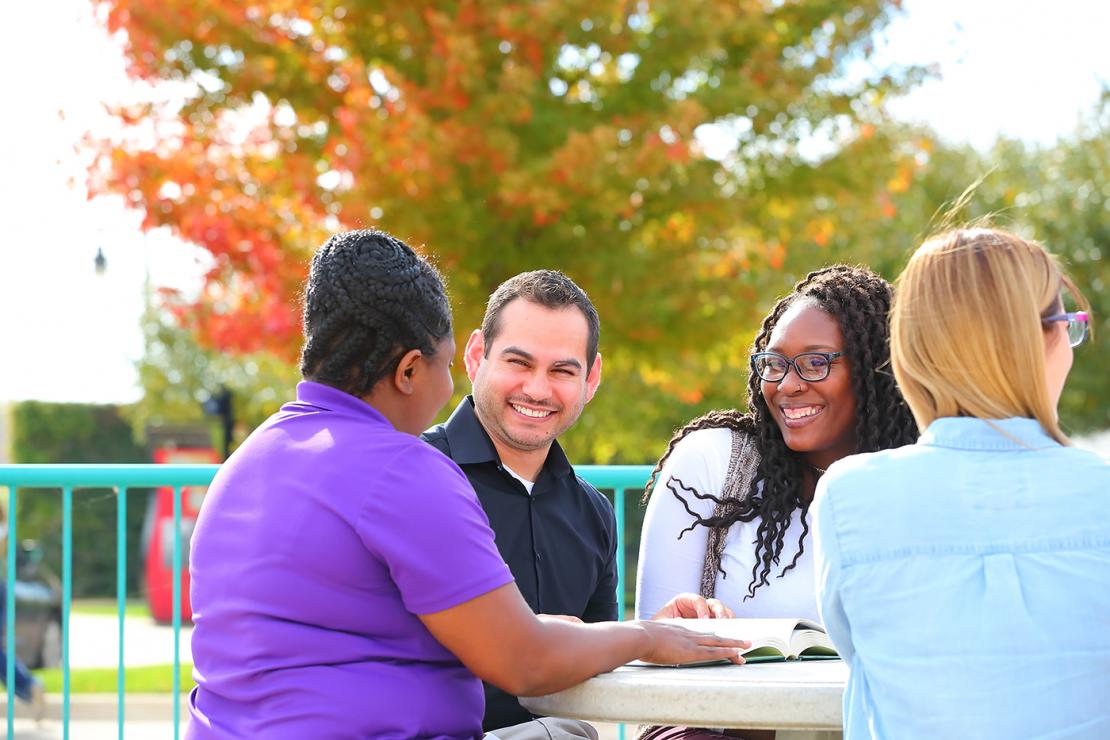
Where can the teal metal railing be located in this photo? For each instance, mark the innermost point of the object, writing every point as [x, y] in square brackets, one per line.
[122, 478]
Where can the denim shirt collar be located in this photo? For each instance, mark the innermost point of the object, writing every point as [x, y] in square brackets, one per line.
[970, 433]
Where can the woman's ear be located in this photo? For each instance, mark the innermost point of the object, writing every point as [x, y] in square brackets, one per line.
[408, 368]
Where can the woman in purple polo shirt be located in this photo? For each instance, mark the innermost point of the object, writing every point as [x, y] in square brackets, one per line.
[345, 581]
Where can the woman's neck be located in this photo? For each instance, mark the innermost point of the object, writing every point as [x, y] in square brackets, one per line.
[810, 475]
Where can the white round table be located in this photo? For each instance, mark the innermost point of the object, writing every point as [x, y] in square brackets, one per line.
[803, 697]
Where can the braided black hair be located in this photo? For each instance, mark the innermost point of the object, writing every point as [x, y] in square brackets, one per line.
[369, 299]
[859, 300]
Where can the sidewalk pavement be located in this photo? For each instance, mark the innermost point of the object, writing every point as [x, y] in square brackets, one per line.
[94, 641]
[146, 717]
[93, 717]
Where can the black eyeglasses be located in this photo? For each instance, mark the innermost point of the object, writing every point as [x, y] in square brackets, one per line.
[1077, 325]
[772, 367]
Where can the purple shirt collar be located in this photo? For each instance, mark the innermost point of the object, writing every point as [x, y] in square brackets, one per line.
[327, 398]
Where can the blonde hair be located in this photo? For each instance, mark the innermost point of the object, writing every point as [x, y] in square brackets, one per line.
[966, 332]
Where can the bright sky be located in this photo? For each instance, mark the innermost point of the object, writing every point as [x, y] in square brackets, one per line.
[1026, 69]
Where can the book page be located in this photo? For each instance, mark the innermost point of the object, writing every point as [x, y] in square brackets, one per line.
[770, 638]
[810, 644]
[776, 632]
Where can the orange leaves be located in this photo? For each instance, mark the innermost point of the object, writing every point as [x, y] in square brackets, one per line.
[684, 387]
[821, 231]
[456, 64]
[443, 123]
[886, 206]
[776, 255]
[243, 208]
[575, 164]
[728, 265]
[541, 217]
[903, 178]
[678, 152]
[679, 227]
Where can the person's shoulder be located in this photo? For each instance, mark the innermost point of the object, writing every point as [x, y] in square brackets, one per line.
[1084, 469]
[420, 475]
[597, 498]
[855, 470]
[437, 437]
[707, 438]
[847, 491]
[598, 502]
[711, 443]
[706, 449]
[1086, 458]
[413, 457]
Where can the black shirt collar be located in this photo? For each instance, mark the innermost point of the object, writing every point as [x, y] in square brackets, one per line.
[469, 443]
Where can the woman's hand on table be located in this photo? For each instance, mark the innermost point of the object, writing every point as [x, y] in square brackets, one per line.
[693, 606]
[674, 645]
[561, 617]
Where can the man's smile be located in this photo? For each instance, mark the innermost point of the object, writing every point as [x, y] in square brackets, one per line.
[530, 412]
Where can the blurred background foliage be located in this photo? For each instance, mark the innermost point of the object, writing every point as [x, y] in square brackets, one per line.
[47, 433]
[684, 161]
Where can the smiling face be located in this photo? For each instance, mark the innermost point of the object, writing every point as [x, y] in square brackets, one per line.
[531, 384]
[817, 418]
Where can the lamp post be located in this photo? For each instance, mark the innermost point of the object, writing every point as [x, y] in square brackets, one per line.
[219, 404]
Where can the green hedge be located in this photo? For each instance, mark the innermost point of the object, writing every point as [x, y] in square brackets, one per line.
[79, 433]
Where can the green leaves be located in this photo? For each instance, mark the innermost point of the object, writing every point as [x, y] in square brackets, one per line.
[685, 162]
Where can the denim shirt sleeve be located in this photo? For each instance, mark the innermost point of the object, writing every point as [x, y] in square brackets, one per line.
[827, 569]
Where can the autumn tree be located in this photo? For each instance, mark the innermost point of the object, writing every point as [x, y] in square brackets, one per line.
[677, 158]
[1056, 194]
[1065, 201]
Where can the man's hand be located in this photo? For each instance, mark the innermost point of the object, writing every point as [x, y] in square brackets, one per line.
[692, 606]
[673, 645]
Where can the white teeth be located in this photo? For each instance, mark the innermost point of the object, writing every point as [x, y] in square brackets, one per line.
[801, 413]
[532, 413]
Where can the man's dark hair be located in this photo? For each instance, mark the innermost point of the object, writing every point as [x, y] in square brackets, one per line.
[859, 300]
[547, 288]
[369, 299]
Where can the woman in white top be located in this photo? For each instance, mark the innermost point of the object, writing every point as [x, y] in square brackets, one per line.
[728, 504]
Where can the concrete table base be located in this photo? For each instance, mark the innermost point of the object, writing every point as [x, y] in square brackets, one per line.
[801, 699]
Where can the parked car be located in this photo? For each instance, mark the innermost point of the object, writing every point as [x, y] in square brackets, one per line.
[38, 609]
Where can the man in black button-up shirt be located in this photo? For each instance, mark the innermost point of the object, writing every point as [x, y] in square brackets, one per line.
[534, 365]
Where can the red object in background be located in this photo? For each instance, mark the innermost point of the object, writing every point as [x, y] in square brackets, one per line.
[158, 534]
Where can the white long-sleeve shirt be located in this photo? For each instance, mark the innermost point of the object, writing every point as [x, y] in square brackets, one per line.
[669, 565]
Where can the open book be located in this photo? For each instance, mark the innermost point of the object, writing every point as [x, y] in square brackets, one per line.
[771, 639]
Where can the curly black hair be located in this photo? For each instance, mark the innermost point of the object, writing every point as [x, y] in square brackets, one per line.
[860, 301]
[369, 299]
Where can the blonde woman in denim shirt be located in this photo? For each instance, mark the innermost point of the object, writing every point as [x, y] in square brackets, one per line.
[966, 579]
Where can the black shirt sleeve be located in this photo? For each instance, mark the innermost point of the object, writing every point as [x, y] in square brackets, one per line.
[602, 606]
